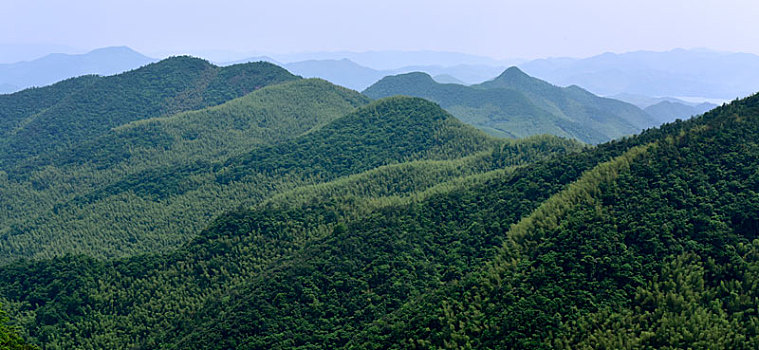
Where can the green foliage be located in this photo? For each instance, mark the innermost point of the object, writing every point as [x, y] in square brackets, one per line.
[9, 338]
[395, 226]
[652, 250]
[149, 184]
[387, 131]
[67, 115]
[146, 301]
[517, 105]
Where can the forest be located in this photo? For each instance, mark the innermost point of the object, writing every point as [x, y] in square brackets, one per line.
[191, 206]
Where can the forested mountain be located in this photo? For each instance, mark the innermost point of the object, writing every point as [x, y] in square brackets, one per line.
[100, 311]
[246, 208]
[655, 248]
[650, 241]
[517, 105]
[151, 184]
[64, 117]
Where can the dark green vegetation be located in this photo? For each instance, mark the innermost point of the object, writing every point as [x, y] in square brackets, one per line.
[62, 117]
[656, 248]
[517, 105]
[393, 225]
[150, 184]
[145, 301]
[9, 338]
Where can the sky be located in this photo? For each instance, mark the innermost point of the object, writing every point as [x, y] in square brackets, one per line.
[499, 29]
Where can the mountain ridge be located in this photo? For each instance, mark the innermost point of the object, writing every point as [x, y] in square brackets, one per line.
[517, 105]
[56, 67]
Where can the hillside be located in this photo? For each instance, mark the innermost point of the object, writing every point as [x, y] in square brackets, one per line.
[167, 290]
[71, 116]
[334, 222]
[645, 242]
[517, 105]
[150, 184]
[667, 257]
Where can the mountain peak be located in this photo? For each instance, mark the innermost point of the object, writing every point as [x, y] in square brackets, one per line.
[515, 78]
[512, 72]
[416, 77]
[403, 84]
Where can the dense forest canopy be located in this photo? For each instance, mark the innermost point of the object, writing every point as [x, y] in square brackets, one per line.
[200, 207]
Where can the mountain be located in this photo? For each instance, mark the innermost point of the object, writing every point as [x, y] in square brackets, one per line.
[652, 248]
[259, 210]
[390, 60]
[46, 121]
[693, 73]
[667, 111]
[631, 244]
[159, 172]
[517, 105]
[347, 73]
[395, 151]
[342, 72]
[447, 79]
[56, 67]
[12, 53]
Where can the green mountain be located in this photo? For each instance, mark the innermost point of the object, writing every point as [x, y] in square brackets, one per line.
[167, 292]
[646, 242]
[151, 184]
[331, 222]
[517, 105]
[60, 117]
[655, 248]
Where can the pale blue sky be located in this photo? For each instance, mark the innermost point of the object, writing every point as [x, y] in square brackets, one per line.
[500, 29]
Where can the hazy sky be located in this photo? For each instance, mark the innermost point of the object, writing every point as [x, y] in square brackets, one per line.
[500, 29]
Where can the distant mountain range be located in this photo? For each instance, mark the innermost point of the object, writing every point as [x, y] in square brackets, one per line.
[691, 73]
[56, 67]
[698, 74]
[517, 105]
[352, 75]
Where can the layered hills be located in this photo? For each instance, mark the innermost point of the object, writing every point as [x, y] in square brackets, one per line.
[668, 111]
[695, 73]
[79, 195]
[390, 152]
[293, 213]
[46, 121]
[629, 244]
[517, 105]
